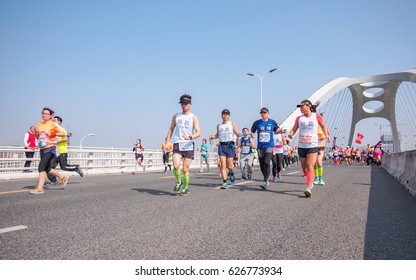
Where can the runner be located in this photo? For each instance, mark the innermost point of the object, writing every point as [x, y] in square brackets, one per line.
[46, 132]
[348, 155]
[184, 128]
[307, 123]
[62, 145]
[378, 153]
[265, 128]
[246, 145]
[277, 159]
[226, 133]
[204, 155]
[138, 154]
[167, 148]
[319, 168]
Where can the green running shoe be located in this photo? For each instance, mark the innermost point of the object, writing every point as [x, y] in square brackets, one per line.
[316, 181]
[321, 181]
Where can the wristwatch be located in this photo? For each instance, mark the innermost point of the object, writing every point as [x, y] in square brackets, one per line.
[190, 137]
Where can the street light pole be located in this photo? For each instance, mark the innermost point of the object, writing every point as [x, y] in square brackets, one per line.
[261, 83]
[82, 139]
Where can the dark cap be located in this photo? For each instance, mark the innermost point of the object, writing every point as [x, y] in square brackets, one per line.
[225, 111]
[264, 110]
[59, 118]
[305, 102]
[185, 99]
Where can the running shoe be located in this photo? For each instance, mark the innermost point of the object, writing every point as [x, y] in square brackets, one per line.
[274, 179]
[249, 178]
[50, 184]
[321, 181]
[184, 192]
[232, 178]
[37, 192]
[177, 187]
[243, 178]
[209, 170]
[64, 181]
[80, 172]
[316, 181]
[308, 192]
[279, 176]
[224, 186]
[264, 185]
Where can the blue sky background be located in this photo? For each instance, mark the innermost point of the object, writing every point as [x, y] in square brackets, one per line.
[118, 68]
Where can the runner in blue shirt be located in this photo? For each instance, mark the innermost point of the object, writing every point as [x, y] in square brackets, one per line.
[265, 128]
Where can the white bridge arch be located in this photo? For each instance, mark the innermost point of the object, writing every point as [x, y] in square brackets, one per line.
[362, 92]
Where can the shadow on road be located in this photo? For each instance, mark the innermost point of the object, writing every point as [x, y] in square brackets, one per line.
[154, 192]
[391, 222]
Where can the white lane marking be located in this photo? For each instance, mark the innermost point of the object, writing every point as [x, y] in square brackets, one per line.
[291, 173]
[235, 185]
[4, 230]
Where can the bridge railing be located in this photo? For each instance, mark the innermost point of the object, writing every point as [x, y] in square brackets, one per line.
[92, 160]
[402, 166]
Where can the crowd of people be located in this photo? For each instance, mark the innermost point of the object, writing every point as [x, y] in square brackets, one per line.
[235, 150]
[350, 155]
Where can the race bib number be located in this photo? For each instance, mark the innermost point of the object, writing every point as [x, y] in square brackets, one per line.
[264, 137]
[305, 139]
[186, 146]
[245, 150]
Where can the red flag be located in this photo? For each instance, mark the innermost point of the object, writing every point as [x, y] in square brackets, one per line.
[359, 138]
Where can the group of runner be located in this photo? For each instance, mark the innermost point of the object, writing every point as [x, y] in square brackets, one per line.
[351, 155]
[185, 128]
[312, 134]
[53, 145]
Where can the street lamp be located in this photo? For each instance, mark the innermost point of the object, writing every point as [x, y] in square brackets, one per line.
[261, 83]
[82, 139]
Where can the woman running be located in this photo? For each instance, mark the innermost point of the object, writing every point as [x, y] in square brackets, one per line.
[308, 123]
[46, 132]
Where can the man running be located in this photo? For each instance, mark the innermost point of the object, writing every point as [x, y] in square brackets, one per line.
[62, 145]
[246, 145]
[167, 149]
[265, 128]
[226, 133]
[184, 128]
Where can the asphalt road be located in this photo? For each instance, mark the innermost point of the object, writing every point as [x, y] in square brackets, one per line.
[361, 213]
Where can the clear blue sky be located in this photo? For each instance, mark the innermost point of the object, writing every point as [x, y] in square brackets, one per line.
[117, 68]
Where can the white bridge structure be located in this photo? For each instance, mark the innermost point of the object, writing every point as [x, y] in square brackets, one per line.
[347, 101]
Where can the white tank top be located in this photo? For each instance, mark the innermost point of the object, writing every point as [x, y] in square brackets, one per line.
[225, 132]
[184, 126]
[278, 143]
[308, 131]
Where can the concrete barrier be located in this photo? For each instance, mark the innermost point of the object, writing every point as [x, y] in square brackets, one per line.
[402, 166]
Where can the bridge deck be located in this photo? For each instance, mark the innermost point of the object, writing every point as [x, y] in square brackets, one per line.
[361, 213]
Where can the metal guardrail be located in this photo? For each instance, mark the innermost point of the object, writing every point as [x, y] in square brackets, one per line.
[12, 159]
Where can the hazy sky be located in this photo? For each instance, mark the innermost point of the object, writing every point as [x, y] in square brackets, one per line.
[118, 68]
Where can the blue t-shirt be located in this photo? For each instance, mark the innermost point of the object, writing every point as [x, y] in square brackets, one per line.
[265, 131]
